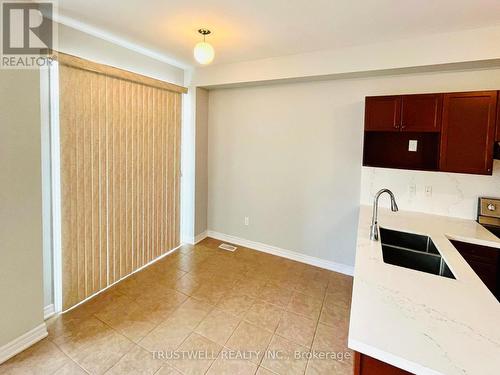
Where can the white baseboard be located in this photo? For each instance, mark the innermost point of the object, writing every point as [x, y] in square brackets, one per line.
[200, 237]
[293, 255]
[194, 240]
[22, 342]
[48, 311]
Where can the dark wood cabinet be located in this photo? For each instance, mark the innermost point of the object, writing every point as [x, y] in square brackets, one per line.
[366, 365]
[383, 113]
[468, 132]
[413, 113]
[497, 138]
[421, 112]
[465, 126]
[484, 260]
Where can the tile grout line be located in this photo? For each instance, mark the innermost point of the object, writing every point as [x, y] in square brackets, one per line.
[68, 356]
[121, 334]
[192, 331]
[274, 333]
[246, 265]
[317, 324]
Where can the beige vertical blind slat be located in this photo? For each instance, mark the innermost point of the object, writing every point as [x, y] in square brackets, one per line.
[120, 177]
[147, 165]
[79, 111]
[121, 180]
[177, 168]
[115, 174]
[94, 181]
[161, 164]
[103, 183]
[149, 180]
[170, 147]
[157, 173]
[110, 143]
[140, 178]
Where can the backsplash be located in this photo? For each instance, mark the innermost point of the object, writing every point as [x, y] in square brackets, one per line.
[453, 194]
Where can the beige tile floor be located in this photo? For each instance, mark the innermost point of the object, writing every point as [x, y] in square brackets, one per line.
[204, 310]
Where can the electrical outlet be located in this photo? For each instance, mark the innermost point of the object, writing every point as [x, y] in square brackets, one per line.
[428, 191]
[412, 190]
[247, 221]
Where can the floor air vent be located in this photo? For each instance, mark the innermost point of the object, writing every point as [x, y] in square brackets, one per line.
[225, 246]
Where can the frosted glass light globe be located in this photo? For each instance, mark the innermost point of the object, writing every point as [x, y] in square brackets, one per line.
[204, 53]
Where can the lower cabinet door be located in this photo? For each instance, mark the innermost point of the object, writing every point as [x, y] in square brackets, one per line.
[484, 261]
[366, 365]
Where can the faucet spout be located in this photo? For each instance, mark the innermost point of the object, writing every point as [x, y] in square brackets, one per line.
[374, 225]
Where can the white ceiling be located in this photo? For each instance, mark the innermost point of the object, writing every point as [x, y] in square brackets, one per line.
[254, 29]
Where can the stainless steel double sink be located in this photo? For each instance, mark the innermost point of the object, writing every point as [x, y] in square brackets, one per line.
[413, 251]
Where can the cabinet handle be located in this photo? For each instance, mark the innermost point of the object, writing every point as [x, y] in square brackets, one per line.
[403, 126]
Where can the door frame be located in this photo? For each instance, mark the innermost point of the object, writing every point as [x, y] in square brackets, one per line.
[51, 186]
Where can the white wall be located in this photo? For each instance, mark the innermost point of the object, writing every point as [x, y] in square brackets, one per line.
[81, 44]
[289, 157]
[188, 166]
[201, 177]
[48, 280]
[21, 286]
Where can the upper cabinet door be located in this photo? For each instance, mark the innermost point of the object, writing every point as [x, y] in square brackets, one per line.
[421, 113]
[468, 132]
[383, 113]
[497, 138]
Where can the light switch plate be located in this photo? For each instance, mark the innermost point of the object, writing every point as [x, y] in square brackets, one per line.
[412, 145]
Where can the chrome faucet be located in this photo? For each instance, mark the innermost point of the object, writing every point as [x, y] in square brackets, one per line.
[394, 208]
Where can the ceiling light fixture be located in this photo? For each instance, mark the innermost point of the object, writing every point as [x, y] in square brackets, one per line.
[204, 52]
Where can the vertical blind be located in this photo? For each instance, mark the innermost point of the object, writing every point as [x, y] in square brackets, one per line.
[120, 174]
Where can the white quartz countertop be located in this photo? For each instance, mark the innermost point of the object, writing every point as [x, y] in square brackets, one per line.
[420, 322]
